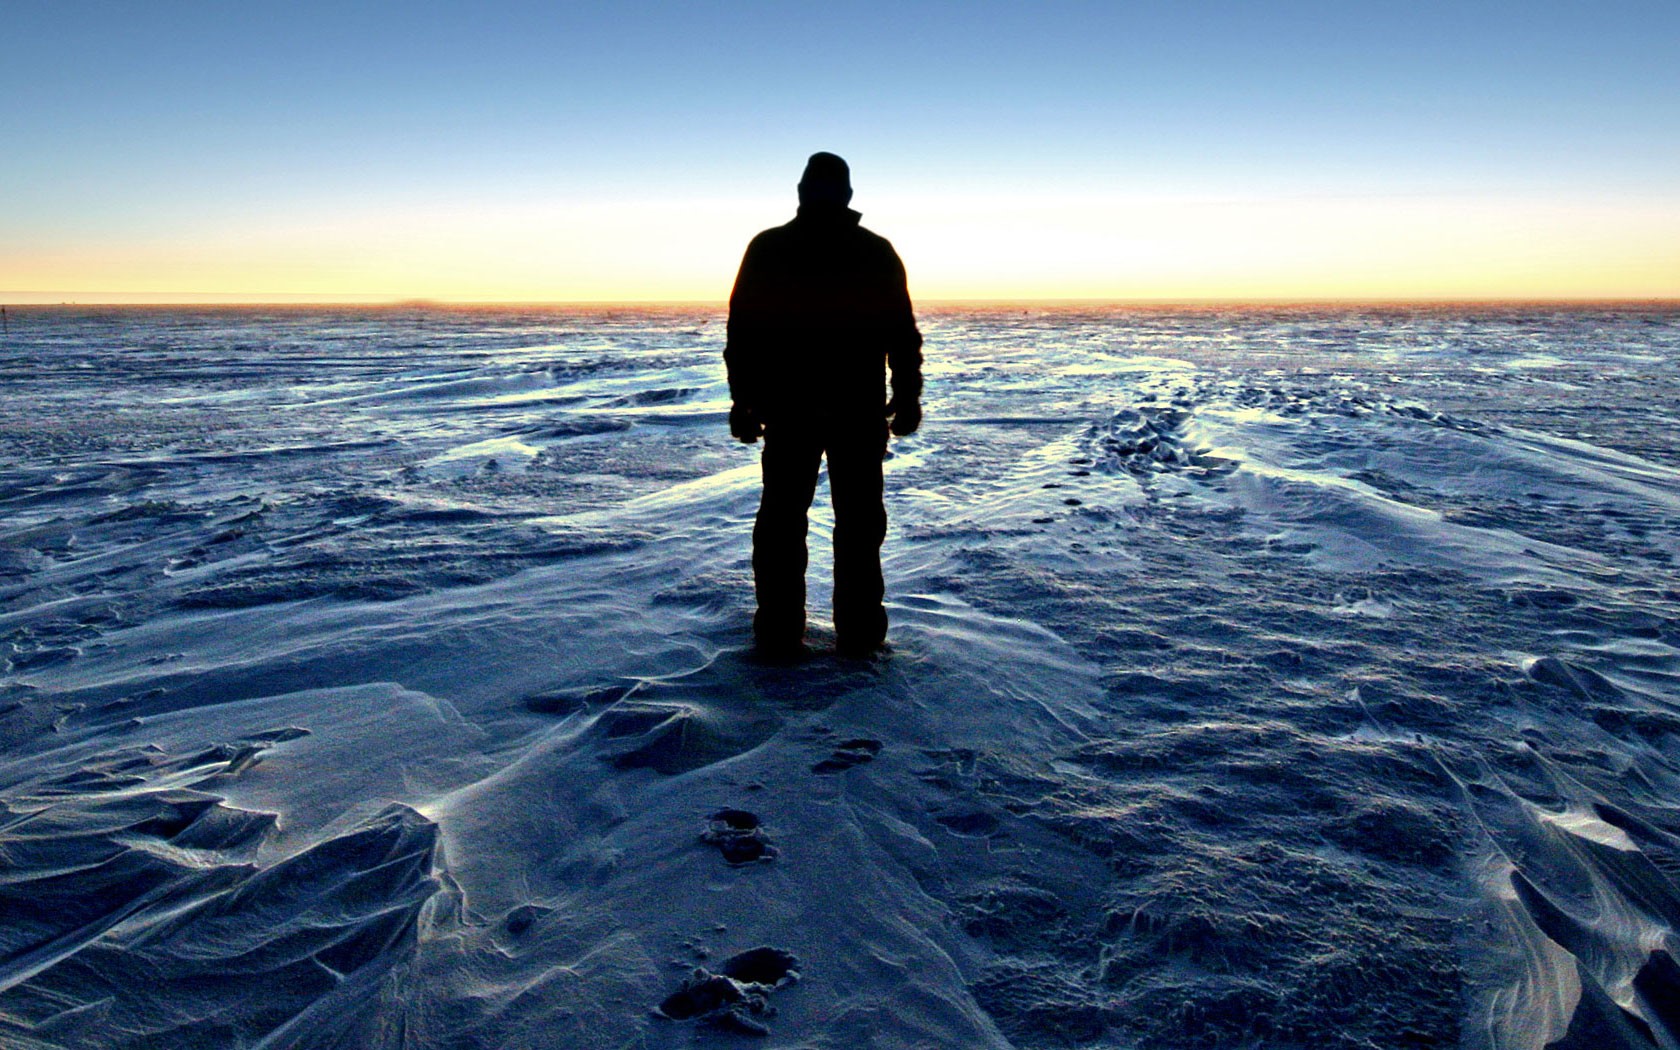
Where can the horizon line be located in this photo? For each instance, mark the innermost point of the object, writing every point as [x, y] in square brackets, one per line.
[36, 299]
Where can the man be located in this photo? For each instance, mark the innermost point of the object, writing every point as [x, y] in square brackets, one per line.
[820, 309]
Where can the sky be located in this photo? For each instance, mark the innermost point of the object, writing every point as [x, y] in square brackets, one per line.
[563, 151]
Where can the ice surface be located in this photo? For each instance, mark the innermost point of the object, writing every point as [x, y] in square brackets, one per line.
[1299, 677]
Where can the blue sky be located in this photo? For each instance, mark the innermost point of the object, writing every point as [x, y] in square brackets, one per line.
[148, 136]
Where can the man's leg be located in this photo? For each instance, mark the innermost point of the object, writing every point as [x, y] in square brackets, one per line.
[789, 462]
[860, 525]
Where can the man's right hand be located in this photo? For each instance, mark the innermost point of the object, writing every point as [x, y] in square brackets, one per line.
[906, 417]
[744, 424]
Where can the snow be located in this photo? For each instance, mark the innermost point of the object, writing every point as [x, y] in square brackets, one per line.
[1296, 676]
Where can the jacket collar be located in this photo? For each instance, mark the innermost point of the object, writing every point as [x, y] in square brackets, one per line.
[827, 216]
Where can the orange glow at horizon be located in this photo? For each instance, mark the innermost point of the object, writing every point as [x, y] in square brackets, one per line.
[955, 247]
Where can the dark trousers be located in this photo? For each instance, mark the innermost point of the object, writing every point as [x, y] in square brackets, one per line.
[792, 454]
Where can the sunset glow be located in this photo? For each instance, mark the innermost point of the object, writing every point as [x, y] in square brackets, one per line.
[548, 157]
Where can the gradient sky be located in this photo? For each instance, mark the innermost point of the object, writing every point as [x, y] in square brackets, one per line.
[561, 151]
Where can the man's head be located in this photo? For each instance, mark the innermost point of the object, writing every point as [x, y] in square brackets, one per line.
[827, 182]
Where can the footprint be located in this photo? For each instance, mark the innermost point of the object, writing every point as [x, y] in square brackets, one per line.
[769, 967]
[737, 996]
[520, 919]
[739, 836]
[851, 753]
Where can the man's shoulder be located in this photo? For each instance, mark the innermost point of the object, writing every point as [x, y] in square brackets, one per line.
[879, 249]
[873, 239]
[785, 231]
[771, 239]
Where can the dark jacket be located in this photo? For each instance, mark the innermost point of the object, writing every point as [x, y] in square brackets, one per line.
[820, 308]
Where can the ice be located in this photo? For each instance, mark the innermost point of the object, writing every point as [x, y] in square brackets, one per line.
[1266, 676]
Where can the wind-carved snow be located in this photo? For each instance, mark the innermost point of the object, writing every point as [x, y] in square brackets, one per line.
[1294, 677]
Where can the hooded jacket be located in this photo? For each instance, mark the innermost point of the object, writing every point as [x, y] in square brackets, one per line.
[819, 311]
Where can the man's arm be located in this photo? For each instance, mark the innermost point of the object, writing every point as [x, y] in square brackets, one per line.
[904, 354]
[742, 346]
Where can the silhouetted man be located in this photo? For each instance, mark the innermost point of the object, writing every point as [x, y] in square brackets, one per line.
[820, 309]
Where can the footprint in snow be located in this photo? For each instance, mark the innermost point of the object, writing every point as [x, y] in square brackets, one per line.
[739, 836]
[849, 754]
[736, 998]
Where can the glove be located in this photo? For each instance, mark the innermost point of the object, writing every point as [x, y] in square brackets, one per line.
[744, 424]
[906, 417]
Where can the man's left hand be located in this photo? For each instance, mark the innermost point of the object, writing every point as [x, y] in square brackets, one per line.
[744, 424]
